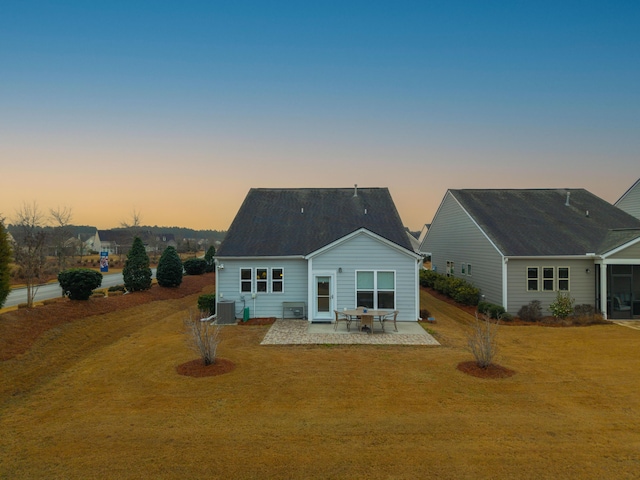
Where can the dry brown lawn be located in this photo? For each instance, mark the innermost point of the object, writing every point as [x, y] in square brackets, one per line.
[99, 397]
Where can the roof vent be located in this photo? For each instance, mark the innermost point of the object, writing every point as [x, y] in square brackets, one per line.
[302, 210]
[365, 211]
[355, 190]
[567, 202]
[587, 214]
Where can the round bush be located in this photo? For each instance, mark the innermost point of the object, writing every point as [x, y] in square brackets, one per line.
[79, 283]
[195, 266]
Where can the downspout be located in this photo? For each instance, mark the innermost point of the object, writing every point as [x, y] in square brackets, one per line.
[310, 305]
[505, 260]
[417, 294]
[604, 294]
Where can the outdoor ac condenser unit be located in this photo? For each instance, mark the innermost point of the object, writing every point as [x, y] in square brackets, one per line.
[226, 312]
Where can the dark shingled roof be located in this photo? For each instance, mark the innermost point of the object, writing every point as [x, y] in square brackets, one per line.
[298, 221]
[538, 223]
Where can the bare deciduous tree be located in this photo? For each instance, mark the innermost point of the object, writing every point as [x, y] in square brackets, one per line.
[61, 220]
[203, 337]
[482, 340]
[30, 243]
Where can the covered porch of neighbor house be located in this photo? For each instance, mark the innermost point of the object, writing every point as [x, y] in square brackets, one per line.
[621, 282]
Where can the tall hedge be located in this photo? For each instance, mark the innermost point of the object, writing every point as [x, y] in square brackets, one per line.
[169, 273]
[456, 288]
[79, 283]
[136, 271]
[5, 265]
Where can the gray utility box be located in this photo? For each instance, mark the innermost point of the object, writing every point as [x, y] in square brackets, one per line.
[226, 312]
[294, 310]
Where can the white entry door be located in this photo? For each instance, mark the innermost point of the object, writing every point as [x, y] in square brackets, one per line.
[323, 297]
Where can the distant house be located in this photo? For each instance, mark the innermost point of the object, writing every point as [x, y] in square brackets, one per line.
[522, 245]
[325, 248]
[113, 241]
[630, 200]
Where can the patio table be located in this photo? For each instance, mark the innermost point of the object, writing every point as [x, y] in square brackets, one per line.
[366, 317]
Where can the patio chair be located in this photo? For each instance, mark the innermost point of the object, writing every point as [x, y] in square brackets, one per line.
[390, 317]
[341, 317]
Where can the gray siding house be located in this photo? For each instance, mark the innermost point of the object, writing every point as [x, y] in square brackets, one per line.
[630, 200]
[325, 248]
[522, 245]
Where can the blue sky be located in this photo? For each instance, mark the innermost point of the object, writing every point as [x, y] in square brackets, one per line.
[176, 109]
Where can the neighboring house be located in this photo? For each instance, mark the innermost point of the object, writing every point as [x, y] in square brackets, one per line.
[524, 245]
[113, 241]
[630, 200]
[328, 248]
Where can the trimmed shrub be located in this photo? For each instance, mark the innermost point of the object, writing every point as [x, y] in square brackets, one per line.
[584, 310]
[506, 316]
[136, 271]
[207, 303]
[79, 283]
[467, 294]
[116, 288]
[491, 310]
[169, 273]
[428, 278]
[195, 266]
[532, 312]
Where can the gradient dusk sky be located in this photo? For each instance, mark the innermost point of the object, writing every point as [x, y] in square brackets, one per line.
[176, 109]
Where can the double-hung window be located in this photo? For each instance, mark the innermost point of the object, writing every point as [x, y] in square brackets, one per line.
[563, 279]
[548, 279]
[246, 280]
[261, 280]
[277, 280]
[469, 269]
[376, 289]
[532, 279]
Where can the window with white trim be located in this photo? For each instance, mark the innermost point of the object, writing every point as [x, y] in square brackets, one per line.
[563, 279]
[376, 289]
[469, 269]
[533, 276]
[277, 280]
[463, 269]
[450, 269]
[261, 280]
[246, 280]
[548, 279]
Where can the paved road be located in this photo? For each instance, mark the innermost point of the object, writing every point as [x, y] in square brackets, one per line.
[53, 290]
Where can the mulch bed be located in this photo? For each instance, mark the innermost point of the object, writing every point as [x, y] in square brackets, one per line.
[258, 321]
[20, 328]
[197, 368]
[492, 371]
[518, 322]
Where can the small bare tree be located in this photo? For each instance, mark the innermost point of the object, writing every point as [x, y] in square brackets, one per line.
[482, 340]
[61, 220]
[204, 337]
[30, 244]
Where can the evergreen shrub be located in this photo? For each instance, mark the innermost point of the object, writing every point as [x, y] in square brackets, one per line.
[169, 272]
[136, 271]
[195, 266]
[79, 283]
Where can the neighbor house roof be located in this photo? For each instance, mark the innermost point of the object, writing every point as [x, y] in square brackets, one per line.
[299, 221]
[546, 222]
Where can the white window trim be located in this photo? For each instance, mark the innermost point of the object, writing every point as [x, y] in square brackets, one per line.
[271, 280]
[537, 289]
[468, 269]
[242, 292]
[568, 279]
[375, 286]
[553, 279]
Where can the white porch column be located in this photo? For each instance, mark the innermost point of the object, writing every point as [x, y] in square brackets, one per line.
[603, 289]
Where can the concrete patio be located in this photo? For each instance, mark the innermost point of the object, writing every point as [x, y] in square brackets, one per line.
[298, 332]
